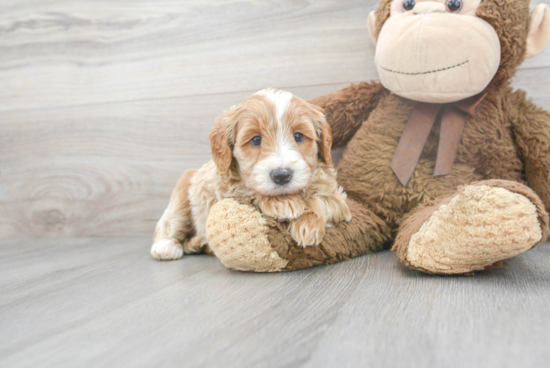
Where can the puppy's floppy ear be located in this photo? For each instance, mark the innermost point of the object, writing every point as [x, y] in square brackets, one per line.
[220, 136]
[325, 135]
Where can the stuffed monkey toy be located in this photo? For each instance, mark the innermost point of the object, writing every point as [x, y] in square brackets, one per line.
[444, 162]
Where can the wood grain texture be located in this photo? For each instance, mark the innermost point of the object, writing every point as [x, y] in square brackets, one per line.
[105, 302]
[103, 104]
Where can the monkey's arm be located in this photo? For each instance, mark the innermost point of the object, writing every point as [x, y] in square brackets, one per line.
[348, 108]
[531, 126]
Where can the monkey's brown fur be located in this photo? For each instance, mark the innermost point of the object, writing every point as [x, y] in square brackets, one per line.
[506, 145]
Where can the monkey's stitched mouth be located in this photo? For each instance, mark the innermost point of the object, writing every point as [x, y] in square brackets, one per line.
[428, 72]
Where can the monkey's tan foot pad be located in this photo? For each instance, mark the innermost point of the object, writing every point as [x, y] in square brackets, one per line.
[237, 234]
[476, 229]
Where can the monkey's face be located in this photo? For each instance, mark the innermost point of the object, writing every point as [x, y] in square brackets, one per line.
[437, 51]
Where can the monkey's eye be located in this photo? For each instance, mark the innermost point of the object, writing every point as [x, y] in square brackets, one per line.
[298, 137]
[454, 6]
[409, 4]
[256, 141]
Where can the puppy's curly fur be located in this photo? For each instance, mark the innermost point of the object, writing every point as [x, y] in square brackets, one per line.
[272, 130]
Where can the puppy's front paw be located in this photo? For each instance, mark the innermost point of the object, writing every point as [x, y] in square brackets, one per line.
[167, 250]
[308, 230]
[340, 208]
[346, 213]
[282, 207]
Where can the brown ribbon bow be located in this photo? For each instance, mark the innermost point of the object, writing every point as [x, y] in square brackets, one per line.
[418, 129]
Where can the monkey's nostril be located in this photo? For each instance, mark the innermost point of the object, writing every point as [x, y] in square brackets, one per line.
[281, 176]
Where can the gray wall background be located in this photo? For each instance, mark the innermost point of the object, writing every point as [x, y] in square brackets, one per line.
[103, 104]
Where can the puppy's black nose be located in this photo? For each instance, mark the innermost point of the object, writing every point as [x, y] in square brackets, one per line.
[281, 176]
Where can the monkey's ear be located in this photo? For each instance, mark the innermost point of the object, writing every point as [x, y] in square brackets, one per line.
[371, 24]
[219, 142]
[539, 31]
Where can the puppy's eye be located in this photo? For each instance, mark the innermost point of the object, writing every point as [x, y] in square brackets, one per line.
[256, 141]
[298, 137]
[409, 4]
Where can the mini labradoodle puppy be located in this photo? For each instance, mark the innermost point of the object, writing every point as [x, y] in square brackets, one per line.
[272, 150]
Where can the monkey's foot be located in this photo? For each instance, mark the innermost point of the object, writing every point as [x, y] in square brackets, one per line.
[237, 234]
[478, 228]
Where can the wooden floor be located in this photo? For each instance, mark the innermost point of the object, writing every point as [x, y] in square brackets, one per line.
[107, 303]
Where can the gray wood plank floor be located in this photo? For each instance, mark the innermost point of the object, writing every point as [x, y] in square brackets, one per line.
[107, 303]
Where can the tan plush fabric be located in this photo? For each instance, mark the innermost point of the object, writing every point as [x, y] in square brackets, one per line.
[539, 31]
[503, 208]
[415, 67]
[511, 21]
[237, 235]
[482, 223]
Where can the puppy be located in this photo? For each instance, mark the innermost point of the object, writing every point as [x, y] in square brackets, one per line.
[272, 150]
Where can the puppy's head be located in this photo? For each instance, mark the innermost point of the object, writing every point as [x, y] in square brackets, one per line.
[276, 139]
